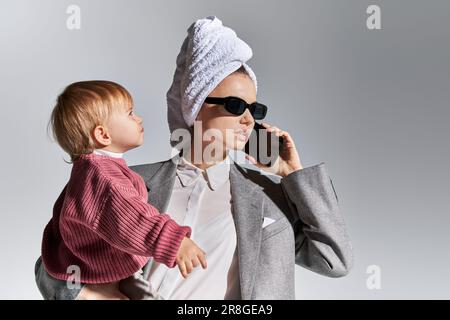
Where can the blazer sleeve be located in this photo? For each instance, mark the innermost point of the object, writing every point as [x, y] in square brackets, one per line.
[322, 244]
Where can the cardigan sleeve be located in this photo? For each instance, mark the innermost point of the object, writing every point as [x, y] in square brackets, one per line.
[133, 225]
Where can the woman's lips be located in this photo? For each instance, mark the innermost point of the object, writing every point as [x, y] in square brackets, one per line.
[142, 129]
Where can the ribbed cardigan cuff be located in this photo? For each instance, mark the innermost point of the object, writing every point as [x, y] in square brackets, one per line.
[169, 242]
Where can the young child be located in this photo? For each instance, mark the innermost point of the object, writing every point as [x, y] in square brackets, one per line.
[101, 221]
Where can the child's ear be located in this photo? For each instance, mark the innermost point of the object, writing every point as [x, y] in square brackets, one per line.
[101, 136]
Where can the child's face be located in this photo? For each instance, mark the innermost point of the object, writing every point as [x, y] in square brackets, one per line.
[125, 129]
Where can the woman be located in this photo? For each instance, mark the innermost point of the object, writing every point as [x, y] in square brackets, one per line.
[254, 227]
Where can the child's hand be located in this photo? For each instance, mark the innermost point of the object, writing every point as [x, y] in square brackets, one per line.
[107, 291]
[189, 256]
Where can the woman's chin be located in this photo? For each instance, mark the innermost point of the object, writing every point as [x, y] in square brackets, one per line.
[237, 146]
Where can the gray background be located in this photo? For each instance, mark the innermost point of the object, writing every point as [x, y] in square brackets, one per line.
[373, 105]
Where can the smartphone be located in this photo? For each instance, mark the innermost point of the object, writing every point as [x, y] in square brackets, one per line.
[264, 146]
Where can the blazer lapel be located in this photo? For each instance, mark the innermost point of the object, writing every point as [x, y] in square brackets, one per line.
[247, 200]
[160, 185]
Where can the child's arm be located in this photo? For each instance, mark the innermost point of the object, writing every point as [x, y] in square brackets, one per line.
[132, 225]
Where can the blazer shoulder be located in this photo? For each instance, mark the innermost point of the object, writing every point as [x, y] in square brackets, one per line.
[148, 170]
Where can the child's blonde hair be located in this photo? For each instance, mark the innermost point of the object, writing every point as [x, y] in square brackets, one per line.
[80, 108]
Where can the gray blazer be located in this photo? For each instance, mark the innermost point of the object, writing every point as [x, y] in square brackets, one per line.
[309, 229]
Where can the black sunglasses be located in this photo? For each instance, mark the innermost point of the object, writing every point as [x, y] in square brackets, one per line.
[237, 106]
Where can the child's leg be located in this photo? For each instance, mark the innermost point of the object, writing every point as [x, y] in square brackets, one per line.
[105, 291]
[137, 287]
[51, 288]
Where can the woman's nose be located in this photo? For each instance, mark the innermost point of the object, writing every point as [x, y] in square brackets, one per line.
[139, 119]
[247, 117]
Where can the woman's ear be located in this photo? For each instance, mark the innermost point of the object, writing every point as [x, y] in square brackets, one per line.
[101, 136]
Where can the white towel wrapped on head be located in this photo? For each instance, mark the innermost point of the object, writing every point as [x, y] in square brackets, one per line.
[209, 54]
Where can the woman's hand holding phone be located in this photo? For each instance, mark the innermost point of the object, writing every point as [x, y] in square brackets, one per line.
[288, 160]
